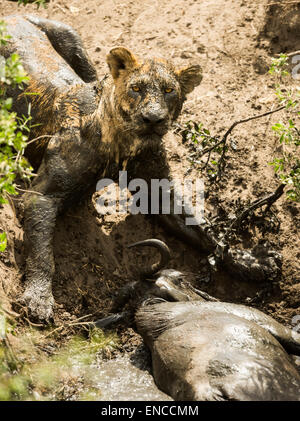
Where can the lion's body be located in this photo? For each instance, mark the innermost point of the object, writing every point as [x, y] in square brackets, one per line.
[60, 99]
[87, 129]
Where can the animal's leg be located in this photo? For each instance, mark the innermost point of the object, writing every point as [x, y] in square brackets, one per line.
[256, 264]
[40, 217]
[67, 170]
[68, 44]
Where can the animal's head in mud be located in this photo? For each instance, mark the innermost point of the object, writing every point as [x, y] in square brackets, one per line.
[149, 95]
[157, 284]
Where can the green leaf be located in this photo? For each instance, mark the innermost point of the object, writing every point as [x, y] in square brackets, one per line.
[3, 241]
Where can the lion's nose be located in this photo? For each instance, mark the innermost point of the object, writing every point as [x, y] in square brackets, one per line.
[154, 117]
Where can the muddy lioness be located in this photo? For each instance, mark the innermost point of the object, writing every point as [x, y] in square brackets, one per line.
[95, 126]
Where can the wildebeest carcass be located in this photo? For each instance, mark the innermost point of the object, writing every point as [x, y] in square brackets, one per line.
[204, 349]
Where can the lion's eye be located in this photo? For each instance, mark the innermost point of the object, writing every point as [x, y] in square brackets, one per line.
[136, 88]
[168, 90]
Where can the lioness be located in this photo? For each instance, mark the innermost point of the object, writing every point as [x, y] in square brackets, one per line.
[95, 126]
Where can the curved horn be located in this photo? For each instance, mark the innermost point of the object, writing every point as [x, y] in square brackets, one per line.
[165, 255]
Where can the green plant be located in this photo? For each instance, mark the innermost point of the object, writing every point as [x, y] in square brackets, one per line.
[213, 146]
[28, 372]
[287, 163]
[37, 2]
[12, 128]
[201, 142]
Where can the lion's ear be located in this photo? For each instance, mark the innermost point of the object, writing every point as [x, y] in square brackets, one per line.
[189, 78]
[120, 58]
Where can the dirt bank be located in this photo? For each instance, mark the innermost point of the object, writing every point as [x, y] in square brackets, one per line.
[233, 41]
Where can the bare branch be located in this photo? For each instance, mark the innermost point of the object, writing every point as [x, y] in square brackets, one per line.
[268, 200]
[245, 120]
[37, 138]
[293, 53]
[223, 141]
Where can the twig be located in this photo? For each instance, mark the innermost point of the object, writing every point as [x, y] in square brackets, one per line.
[83, 317]
[10, 312]
[29, 191]
[213, 148]
[81, 324]
[223, 141]
[268, 200]
[37, 138]
[207, 161]
[245, 120]
[31, 323]
[289, 54]
[53, 331]
[71, 324]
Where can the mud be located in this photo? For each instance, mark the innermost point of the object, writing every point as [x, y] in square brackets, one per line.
[233, 42]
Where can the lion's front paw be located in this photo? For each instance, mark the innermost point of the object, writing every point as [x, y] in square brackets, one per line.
[39, 302]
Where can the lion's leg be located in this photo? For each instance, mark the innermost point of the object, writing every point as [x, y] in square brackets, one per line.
[68, 44]
[69, 166]
[40, 218]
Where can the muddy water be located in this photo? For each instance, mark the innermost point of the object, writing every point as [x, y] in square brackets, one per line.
[119, 379]
[124, 378]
